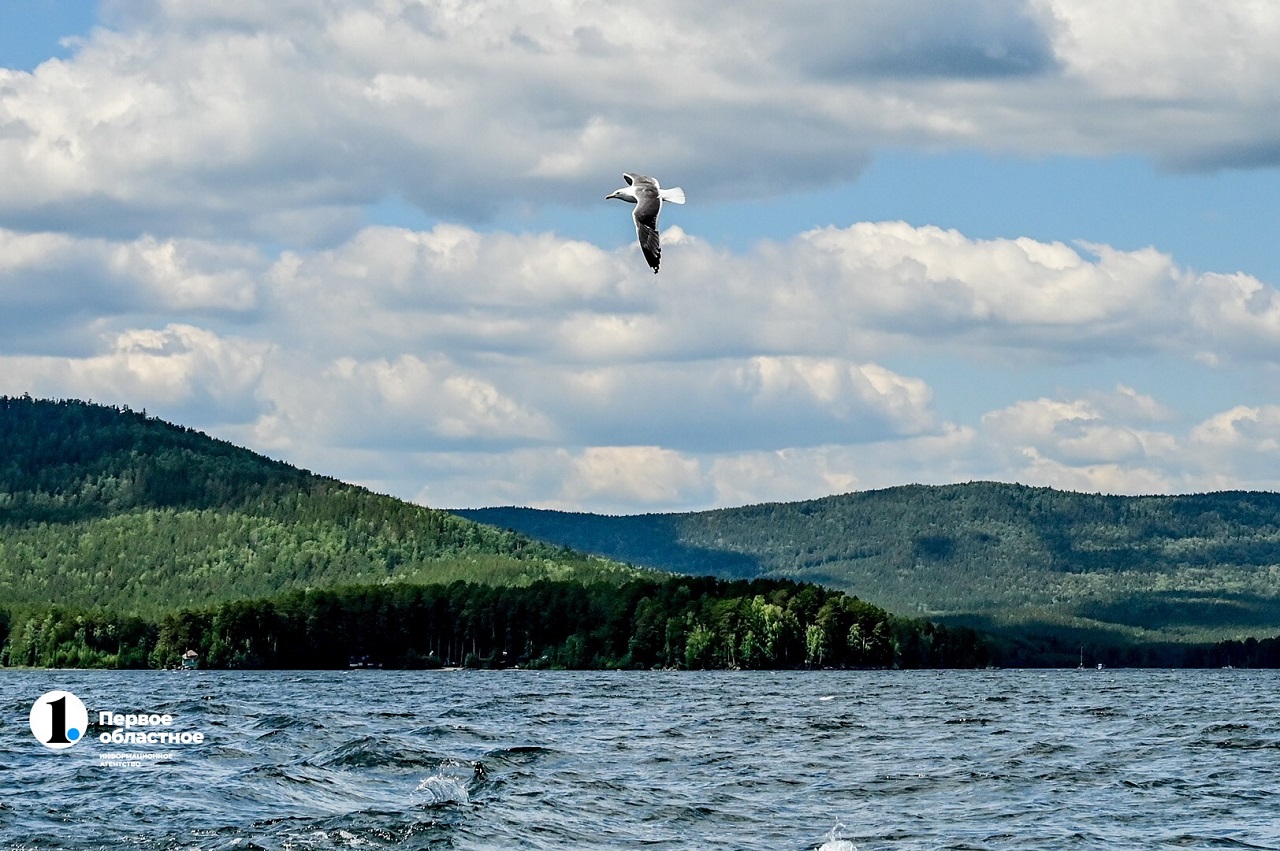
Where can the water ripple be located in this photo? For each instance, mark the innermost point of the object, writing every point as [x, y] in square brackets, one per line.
[831, 761]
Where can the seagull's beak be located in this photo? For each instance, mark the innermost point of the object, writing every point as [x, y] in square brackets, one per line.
[611, 195]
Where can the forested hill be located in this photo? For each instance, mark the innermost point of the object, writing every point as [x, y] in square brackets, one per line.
[102, 506]
[68, 460]
[1179, 567]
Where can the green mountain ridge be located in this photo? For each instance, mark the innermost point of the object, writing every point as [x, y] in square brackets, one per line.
[1201, 567]
[113, 522]
[107, 507]
[128, 542]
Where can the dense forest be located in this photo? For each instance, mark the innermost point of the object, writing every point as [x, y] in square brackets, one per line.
[674, 623]
[1149, 569]
[652, 623]
[107, 507]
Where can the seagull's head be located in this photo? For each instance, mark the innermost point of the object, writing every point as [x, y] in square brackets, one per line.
[626, 193]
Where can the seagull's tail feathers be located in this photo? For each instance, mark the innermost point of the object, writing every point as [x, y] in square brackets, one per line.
[675, 196]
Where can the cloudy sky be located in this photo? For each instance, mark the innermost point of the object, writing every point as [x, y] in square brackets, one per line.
[925, 240]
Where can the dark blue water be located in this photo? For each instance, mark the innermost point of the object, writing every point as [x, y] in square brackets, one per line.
[542, 760]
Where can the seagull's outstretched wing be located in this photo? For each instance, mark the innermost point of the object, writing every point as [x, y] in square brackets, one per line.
[648, 206]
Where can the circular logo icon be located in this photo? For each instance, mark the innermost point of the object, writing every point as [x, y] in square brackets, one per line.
[59, 719]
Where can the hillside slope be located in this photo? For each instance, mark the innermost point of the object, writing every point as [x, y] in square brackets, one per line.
[101, 506]
[1180, 567]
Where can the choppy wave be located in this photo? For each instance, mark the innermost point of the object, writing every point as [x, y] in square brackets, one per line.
[831, 761]
[452, 783]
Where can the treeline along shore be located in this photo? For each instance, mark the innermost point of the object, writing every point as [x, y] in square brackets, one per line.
[671, 623]
[677, 623]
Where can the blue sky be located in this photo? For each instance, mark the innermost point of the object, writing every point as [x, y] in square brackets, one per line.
[1024, 240]
[32, 31]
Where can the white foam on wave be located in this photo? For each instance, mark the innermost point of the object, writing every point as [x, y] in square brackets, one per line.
[447, 786]
[442, 790]
[834, 840]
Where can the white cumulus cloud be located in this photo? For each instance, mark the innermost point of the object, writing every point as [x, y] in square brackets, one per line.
[283, 121]
[176, 368]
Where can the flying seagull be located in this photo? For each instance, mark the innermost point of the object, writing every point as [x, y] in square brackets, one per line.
[645, 193]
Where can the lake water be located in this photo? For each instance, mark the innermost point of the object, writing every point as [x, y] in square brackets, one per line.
[566, 760]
